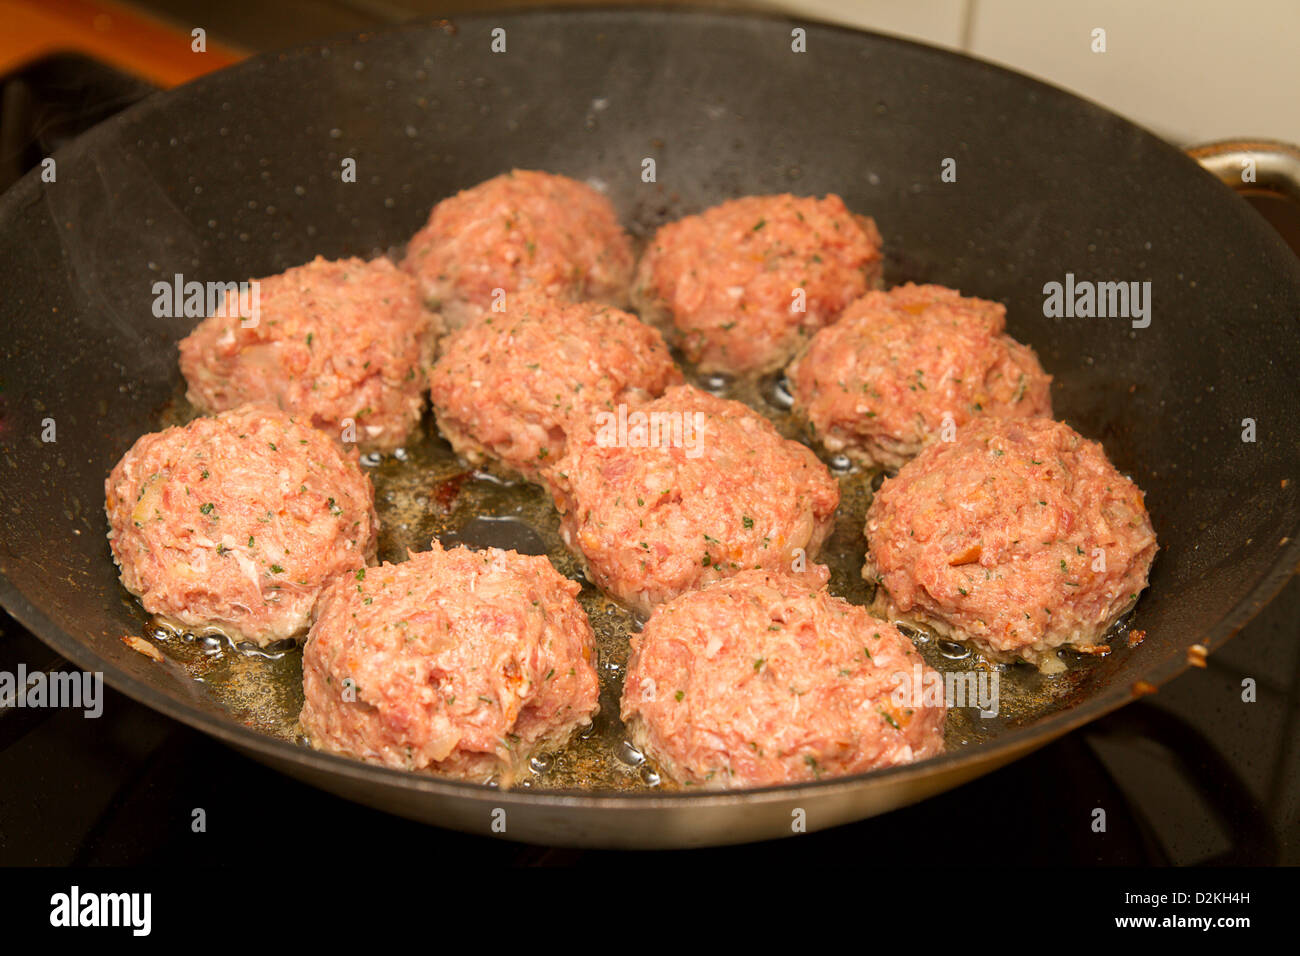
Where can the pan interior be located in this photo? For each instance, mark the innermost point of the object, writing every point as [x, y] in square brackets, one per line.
[210, 183]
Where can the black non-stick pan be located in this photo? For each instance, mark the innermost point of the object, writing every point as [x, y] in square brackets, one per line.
[238, 175]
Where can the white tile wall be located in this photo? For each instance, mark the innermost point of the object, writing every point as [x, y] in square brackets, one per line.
[1190, 70]
[938, 22]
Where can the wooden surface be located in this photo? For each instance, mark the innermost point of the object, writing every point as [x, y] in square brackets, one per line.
[137, 43]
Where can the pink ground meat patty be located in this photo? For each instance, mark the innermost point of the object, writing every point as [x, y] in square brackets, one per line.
[522, 231]
[334, 341]
[237, 521]
[722, 284]
[764, 679]
[882, 381]
[723, 491]
[512, 385]
[455, 662]
[1019, 537]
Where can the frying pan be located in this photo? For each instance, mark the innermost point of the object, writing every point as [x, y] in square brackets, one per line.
[238, 175]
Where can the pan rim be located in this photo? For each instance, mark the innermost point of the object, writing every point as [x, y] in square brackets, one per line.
[1007, 745]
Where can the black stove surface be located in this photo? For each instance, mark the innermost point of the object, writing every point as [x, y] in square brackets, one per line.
[1191, 775]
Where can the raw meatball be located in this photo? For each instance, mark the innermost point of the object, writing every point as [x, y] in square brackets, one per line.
[723, 284]
[762, 679]
[688, 489]
[333, 341]
[456, 662]
[521, 231]
[512, 385]
[1018, 537]
[900, 365]
[236, 522]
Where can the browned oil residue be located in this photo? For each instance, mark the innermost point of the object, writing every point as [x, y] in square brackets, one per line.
[447, 491]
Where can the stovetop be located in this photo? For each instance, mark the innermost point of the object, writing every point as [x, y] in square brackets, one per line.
[1190, 775]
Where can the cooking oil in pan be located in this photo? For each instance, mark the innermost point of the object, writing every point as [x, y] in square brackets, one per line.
[425, 492]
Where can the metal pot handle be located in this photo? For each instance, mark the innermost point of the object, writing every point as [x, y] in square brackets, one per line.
[1276, 165]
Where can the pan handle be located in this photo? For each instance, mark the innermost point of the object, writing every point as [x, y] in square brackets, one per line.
[1276, 165]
